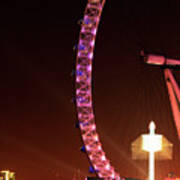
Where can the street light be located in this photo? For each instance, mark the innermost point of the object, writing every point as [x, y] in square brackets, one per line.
[151, 146]
[152, 143]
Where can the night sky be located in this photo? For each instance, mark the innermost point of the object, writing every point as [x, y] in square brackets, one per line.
[38, 138]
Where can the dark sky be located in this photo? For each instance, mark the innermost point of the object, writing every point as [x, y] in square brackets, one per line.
[38, 139]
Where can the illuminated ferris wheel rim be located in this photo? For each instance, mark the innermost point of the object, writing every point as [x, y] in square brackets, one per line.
[90, 137]
[84, 103]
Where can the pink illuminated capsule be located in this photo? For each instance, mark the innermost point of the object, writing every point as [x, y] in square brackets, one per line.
[152, 59]
[155, 59]
[159, 60]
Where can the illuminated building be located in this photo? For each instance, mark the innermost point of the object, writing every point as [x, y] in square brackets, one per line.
[7, 175]
[172, 176]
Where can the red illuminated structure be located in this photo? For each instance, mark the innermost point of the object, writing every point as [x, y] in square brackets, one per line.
[172, 86]
[92, 145]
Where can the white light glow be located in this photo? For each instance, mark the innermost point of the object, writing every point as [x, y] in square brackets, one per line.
[107, 166]
[103, 158]
[152, 143]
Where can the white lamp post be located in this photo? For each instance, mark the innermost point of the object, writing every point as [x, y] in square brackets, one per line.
[151, 146]
[152, 143]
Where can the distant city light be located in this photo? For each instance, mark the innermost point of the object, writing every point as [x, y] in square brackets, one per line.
[7, 175]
